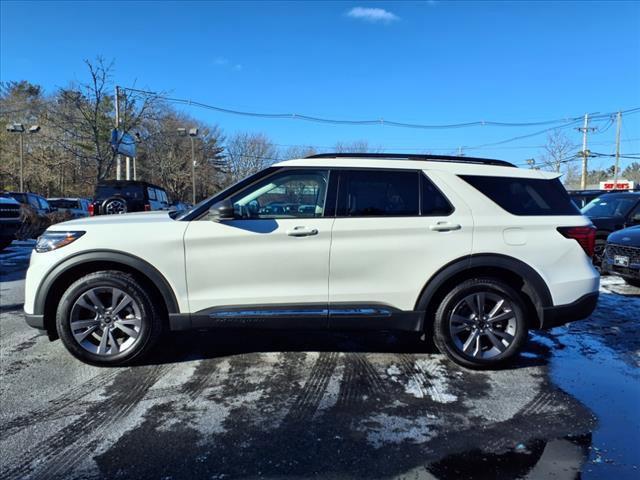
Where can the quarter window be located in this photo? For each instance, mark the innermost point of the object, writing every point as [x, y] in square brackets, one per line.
[365, 193]
[434, 203]
[287, 194]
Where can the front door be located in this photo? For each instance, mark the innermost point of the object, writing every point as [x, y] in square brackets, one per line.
[268, 264]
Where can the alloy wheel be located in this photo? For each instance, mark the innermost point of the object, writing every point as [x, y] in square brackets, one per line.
[106, 321]
[115, 207]
[482, 325]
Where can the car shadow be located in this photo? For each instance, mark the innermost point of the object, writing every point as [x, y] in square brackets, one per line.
[176, 347]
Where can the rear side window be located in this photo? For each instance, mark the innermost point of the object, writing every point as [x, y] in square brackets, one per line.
[152, 193]
[367, 193]
[525, 196]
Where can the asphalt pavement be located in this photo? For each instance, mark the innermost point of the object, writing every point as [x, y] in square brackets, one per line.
[317, 404]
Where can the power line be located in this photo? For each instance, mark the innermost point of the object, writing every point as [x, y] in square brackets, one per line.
[379, 121]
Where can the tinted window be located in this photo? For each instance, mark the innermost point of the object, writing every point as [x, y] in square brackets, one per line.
[609, 206]
[64, 203]
[152, 193]
[379, 193]
[525, 196]
[434, 203]
[130, 191]
[20, 197]
[289, 194]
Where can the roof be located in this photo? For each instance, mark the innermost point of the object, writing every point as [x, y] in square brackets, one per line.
[416, 157]
[443, 163]
[125, 183]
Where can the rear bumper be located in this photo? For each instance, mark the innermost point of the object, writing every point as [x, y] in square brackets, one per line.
[578, 310]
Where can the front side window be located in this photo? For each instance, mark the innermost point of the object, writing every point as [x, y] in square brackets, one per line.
[288, 194]
[379, 193]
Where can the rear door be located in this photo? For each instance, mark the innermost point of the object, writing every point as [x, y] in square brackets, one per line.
[394, 229]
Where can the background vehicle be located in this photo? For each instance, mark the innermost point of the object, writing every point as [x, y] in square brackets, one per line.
[609, 213]
[180, 206]
[473, 252]
[622, 255]
[76, 207]
[9, 219]
[125, 196]
[582, 197]
[34, 214]
[36, 202]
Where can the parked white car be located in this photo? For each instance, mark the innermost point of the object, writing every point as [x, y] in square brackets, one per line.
[474, 252]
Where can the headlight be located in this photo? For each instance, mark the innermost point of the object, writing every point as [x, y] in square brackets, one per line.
[52, 240]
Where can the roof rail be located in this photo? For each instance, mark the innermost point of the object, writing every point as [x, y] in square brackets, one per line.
[419, 157]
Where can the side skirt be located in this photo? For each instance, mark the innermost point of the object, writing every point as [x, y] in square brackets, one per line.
[297, 317]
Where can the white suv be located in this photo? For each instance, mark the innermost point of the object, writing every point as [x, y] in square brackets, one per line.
[474, 252]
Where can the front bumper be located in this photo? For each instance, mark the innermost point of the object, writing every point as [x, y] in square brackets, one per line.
[578, 310]
[35, 321]
[631, 270]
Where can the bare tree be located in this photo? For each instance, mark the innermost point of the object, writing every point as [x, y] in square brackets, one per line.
[84, 118]
[558, 149]
[248, 153]
[358, 146]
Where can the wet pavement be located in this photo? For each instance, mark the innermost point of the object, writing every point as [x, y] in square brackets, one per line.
[330, 405]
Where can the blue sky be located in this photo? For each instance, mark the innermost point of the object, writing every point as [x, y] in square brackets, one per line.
[423, 62]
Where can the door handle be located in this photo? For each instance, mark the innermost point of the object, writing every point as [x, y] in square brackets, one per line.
[302, 232]
[445, 227]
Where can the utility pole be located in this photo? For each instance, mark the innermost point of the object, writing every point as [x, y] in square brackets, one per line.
[615, 169]
[585, 153]
[118, 167]
[193, 168]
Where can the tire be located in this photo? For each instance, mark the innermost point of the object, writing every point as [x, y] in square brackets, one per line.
[598, 251]
[500, 340]
[114, 206]
[633, 282]
[5, 242]
[95, 332]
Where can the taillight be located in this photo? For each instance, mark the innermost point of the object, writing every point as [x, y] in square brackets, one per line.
[92, 211]
[147, 208]
[585, 236]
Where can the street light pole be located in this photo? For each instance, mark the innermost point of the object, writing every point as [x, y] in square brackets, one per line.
[19, 128]
[22, 161]
[193, 169]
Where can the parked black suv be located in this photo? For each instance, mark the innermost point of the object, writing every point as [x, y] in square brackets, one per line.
[9, 219]
[612, 212]
[124, 196]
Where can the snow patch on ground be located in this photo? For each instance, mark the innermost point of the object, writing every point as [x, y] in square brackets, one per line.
[428, 378]
[383, 429]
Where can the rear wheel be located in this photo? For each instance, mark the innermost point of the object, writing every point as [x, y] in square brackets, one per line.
[114, 206]
[107, 318]
[481, 323]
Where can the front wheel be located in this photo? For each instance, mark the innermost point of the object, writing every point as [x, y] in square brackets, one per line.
[107, 318]
[481, 323]
[635, 282]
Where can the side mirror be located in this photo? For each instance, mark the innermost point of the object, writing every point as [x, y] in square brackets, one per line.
[222, 211]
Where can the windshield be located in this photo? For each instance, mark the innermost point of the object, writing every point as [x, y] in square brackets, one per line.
[609, 206]
[64, 203]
